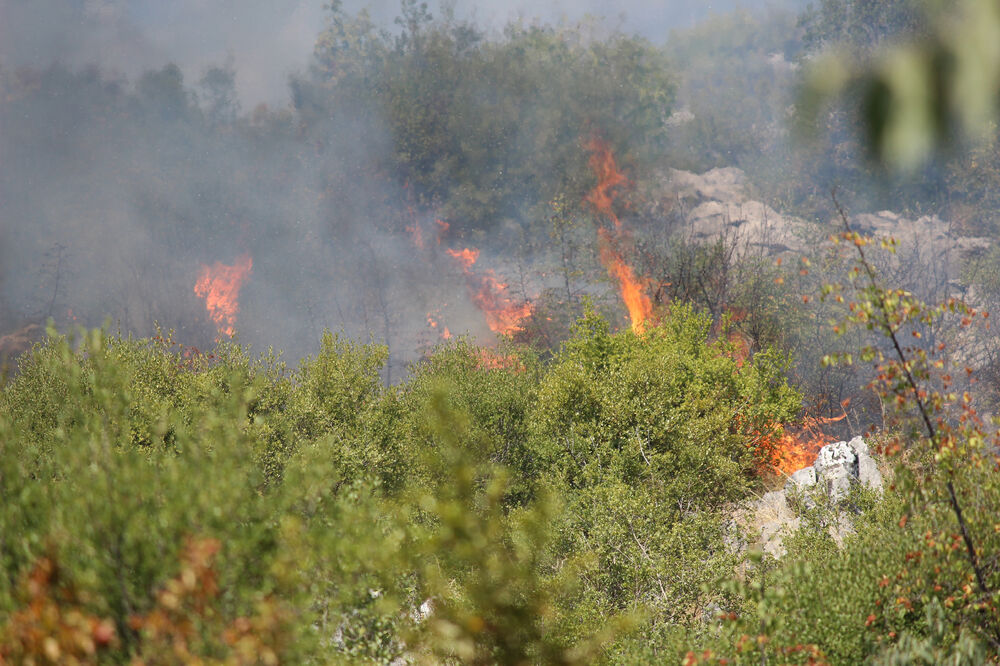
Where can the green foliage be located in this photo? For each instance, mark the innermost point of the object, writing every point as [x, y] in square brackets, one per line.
[497, 594]
[496, 390]
[861, 24]
[647, 438]
[480, 125]
[736, 85]
[918, 95]
[629, 407]
[917, 583]
[320, 510]
[336, 398]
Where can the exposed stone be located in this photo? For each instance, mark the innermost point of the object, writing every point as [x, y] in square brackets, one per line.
[722, 184]
[772, 535]
[836, 467]
[719, 204]
[867, 469]
[859, 446]
[804, 478]
[841, 528]
[772, 518]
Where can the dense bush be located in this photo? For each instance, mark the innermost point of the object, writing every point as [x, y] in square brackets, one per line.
[317, 509]
[484, 128]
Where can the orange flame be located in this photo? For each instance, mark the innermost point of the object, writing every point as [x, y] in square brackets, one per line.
[416, 234]
[602, 161]
[487, 359]
[793, 448]
[442, 229]
[633, 290]
[466, 257]
[219, 285]
[503, 315]
[602, 197]
[433, 323]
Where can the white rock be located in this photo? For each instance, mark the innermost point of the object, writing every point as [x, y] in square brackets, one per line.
[867, 470]
[836, 468]
[801, 479]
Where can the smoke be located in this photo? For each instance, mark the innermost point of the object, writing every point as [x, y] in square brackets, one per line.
[652, 20]
[268, 41]
[265, 41]
[134, 151]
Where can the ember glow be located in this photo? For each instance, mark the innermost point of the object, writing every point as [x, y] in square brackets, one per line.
[503, 314]
[631, 287]
[487, 359]
[219, 284]
[433, 323]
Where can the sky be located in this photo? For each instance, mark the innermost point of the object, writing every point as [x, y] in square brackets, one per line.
[267, 40]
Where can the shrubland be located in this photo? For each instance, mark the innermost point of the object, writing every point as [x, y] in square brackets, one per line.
[162, 505]
[154, 496]
[566, 496]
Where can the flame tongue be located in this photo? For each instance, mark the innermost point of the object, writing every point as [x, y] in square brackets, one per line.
[798, 447]
[602, 161]
[631, 287]
[433, 323]
[219, 284]
[466, 257]
[503, 315]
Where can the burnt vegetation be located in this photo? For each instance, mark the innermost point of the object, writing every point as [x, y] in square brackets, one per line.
[555, 305]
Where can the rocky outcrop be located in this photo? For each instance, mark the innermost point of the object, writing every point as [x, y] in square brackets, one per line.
[838, 466]
[718, 204]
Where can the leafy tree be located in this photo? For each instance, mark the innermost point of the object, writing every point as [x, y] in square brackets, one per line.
[479, 125]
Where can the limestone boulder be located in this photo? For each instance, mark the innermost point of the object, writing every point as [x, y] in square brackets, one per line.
[838, 466]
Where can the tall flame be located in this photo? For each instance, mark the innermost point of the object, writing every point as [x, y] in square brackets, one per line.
[632, 289]
[602, 197]
[219, 284]
[503, 314]
[609, 178]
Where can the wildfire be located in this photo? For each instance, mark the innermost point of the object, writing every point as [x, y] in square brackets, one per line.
[466, 257]
[219, 284]
[416, 234]
[433, 323]
[503, 315]
[633, 291]
[442, 229]
[609, 178]
[631, 287]
[797, 447]
[491, 360]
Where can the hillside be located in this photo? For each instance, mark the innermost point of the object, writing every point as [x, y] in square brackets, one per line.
[543, 341]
